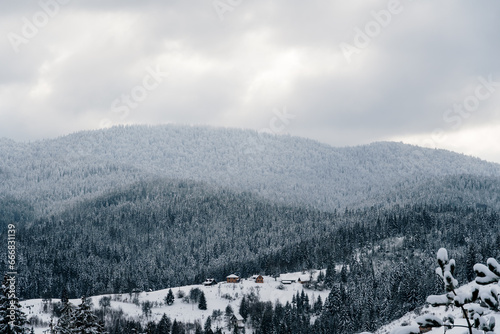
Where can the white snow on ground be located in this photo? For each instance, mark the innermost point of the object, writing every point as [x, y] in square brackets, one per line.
[218, 297]
[441, 312]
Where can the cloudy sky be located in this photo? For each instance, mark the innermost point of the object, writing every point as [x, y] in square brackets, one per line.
[341, 72]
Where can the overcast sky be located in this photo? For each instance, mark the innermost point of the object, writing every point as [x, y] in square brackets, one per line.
[341, 72]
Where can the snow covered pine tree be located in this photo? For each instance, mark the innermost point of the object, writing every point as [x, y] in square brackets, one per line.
[12, 319]
[475, 303]
[85, 321]
[79, 320]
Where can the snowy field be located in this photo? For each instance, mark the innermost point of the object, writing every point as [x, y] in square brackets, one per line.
[218, 297]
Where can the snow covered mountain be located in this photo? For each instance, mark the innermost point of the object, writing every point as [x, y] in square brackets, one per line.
[53, 173]
[127, 208]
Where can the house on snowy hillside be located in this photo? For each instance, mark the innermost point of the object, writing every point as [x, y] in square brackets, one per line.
[259, 279]
[210, 282]
[237, 321]
[303, 279]
[233, 279]
[425, 329]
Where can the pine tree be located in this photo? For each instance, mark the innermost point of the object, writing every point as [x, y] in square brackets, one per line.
[202, 305]
[151, 328]
[470, 261]
[307, 306]
[488, 297]
[330, 316]
[177, 328]
[198, 329]
[267, 319]
[65, 322]
[12, 319]
[229, 311]
[169, 299]
[164, 325]
[243, 310]
[318, 306]
[208, 326]
[86, 322]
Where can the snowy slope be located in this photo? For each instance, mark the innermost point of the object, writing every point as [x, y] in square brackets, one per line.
[54, 173]
[218, 297]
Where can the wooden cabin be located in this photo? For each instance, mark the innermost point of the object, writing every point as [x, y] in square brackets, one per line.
[259, 279]
[237, 321]
[425, 329]
[233, 278]
[210, 282]
[303, 279]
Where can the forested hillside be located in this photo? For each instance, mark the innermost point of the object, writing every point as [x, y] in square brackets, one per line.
[53, 173]
[166, 233]
[112, 211]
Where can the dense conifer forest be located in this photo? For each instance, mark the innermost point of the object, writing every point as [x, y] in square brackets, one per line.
[168, 233]
[106, 221]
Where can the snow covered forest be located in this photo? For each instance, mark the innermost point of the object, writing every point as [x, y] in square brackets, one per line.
[51, 174]
[149, 208]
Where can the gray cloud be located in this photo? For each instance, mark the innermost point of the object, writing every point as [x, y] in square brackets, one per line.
[263, 55]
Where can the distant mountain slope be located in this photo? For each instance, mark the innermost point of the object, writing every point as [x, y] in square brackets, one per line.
[50, 173]
[162, 233]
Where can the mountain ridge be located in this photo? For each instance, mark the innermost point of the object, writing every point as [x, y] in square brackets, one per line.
[294, 170]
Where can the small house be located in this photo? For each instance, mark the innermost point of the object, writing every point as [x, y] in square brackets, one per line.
[287, 281]
[259, 279]
[303, 279]
[210, 282]
[237, 321]
[233, 279]
[425, 329]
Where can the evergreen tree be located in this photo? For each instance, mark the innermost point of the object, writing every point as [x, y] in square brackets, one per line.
[164, 325]
[202, 305]
[85, 321]
[198, 329]
[318, 306]
[169, 299]
[470, 261]
[177, 328]
[208, 326]
[151, 328]
[12, 319]
[306, 305]
[267, 320]
[243, 310]
[65, 322]
[486, 275]
[330, 317]
[300, 301]
[229, 311]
